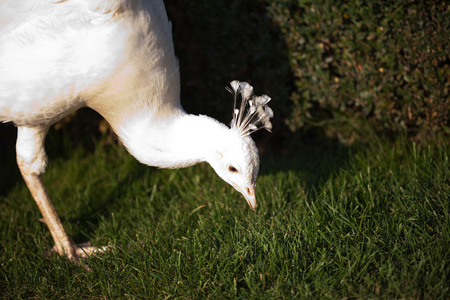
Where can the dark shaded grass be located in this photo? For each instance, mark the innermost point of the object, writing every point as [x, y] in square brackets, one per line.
[367, 222]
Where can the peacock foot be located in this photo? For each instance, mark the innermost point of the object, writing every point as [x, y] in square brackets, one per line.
[78, 253]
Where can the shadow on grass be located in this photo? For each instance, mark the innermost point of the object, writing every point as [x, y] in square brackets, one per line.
[76, 132]
[313, 159]
[100, 208]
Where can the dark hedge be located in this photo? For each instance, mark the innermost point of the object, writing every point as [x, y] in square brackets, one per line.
[349, 68]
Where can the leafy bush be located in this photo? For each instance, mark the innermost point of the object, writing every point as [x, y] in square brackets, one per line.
[385, 62]
[350, 68]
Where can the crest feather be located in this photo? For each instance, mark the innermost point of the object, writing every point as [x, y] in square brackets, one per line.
[253, 114]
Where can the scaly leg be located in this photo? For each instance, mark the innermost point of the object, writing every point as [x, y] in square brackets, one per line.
[32, 162]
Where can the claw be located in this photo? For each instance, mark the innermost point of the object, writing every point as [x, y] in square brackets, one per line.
[80, 253]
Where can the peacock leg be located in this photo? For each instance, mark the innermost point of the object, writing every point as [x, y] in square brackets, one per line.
[32, 161]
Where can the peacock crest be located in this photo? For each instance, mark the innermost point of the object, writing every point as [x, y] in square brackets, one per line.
[253, 114]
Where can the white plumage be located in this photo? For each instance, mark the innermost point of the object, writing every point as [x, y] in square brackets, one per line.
[117, 58]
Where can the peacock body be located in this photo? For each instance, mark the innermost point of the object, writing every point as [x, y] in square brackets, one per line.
[116, 57]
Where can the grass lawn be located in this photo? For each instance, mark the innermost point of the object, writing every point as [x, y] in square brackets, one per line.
[332, 222]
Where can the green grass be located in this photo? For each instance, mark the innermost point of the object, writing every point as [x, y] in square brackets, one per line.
[332, 222]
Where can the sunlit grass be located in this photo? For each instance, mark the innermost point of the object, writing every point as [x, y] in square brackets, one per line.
[332, 222]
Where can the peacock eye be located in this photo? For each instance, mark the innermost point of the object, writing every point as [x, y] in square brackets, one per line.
[232, 169]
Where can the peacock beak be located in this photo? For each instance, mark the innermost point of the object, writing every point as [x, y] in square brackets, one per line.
[250, 195]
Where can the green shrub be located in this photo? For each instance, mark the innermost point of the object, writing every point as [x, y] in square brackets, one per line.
[379, 63]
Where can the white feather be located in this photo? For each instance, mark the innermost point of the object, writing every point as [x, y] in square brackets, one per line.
[247, 119]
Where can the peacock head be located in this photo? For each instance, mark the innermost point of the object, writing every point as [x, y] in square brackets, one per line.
[237, 160]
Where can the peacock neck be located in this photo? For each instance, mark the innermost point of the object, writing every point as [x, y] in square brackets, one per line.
[178, 141]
